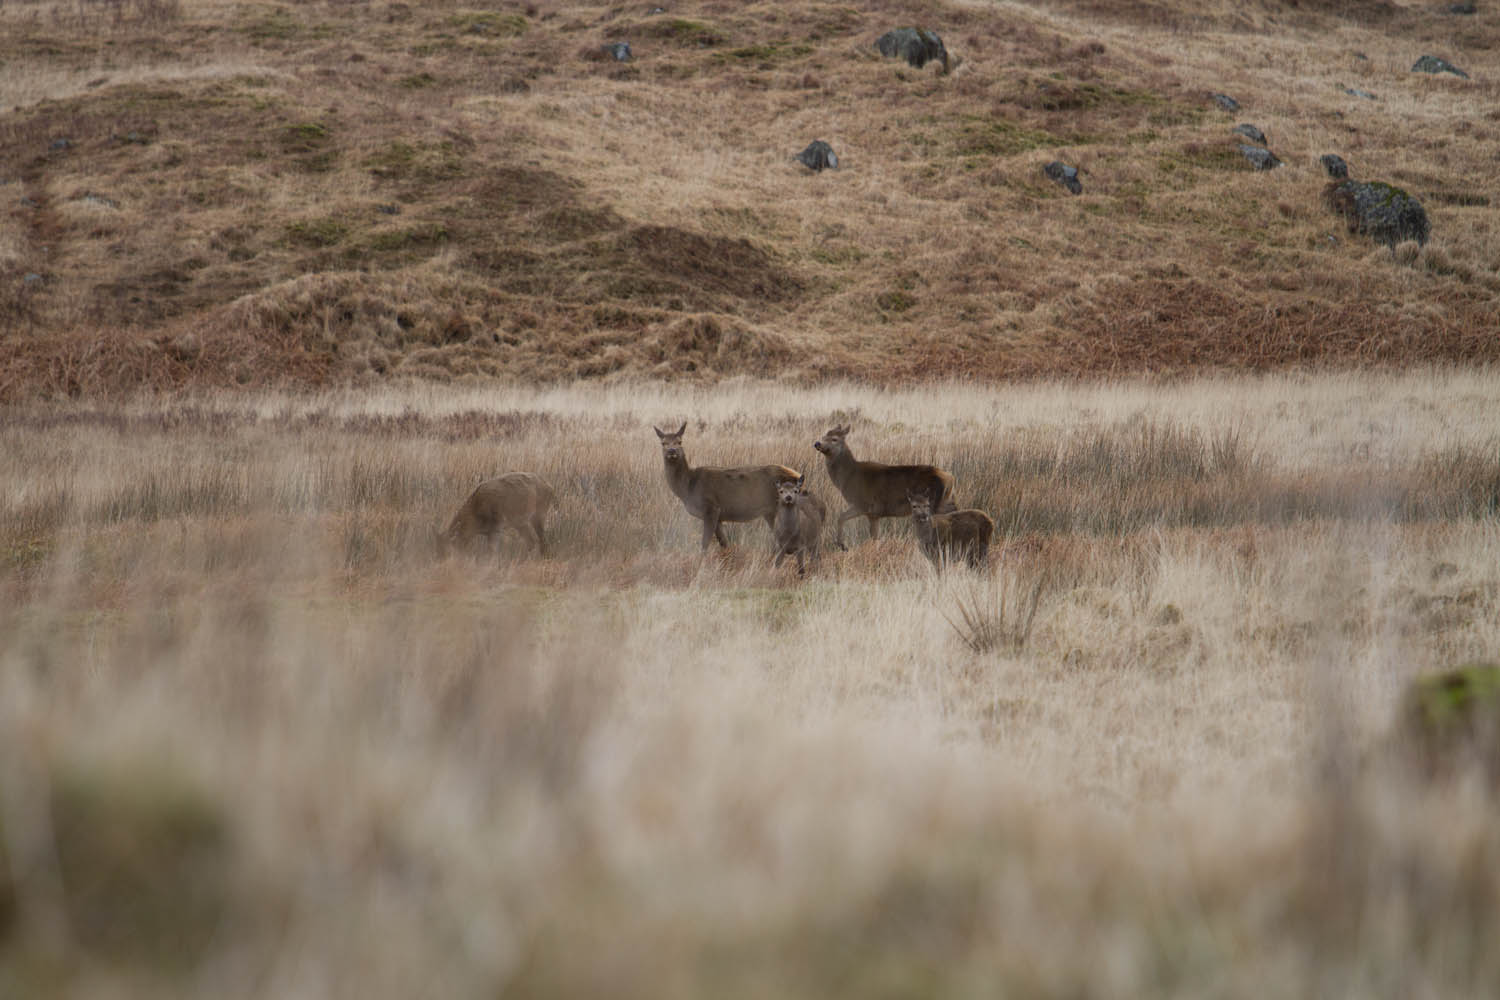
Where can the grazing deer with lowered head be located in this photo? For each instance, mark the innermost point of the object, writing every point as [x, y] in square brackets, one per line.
[715, 496]
[799, 523]
[873, 490]
[945, 537]
[517, 499]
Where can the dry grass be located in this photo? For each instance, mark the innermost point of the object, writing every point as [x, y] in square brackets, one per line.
[562, 216]
[258, 740]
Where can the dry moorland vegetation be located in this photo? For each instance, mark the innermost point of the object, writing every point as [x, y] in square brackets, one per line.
[207, 193]
[257, 739]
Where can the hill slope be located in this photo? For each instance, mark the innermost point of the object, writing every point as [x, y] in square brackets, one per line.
[203, 193]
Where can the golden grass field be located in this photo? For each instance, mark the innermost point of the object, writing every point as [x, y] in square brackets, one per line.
[257, 739]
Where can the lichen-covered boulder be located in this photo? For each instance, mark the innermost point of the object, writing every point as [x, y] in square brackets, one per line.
[618, 51]
[1225, 102]
[1381, 211]
[1452, 718]
[818, 156]
[1432, 64]
[1065, 175]
[1250, 132]
[1260, 158]
[917, 46]
[1335, 165]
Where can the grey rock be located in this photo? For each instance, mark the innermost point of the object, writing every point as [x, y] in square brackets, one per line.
[1335, 165]
[1356, 92]
[618, 51]
[657, 10]
[1432, 64]
[1381, 211]
[61, 143]
[1226, 102]
[1260, 158]
[1460, 8]
[1251, 132]
[29, 202]
[917, 46]
[32, 278]
[1065, 175]
[819, 155]
[388, 209]
[99, 199]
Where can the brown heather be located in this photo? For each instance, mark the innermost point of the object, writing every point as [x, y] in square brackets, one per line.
[222, 214]
[258, 740]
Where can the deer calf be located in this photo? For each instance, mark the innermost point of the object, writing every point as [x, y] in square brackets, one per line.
[873, 490]
[517, 499]
[799, 523]
[715, 496]
[945, 537]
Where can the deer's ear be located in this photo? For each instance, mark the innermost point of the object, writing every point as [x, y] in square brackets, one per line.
[801, 480]
[844, 429]
[659, 432]
[682, 428]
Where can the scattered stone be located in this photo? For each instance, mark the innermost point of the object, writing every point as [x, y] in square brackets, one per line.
[515, 85]
[29, 202]
[618, 51]
[1226, 102]
[1260, 158]
[1381, 211]
[657, 10]
[32, 278]
[1065, 175]
[1356, 92]
[99, 199]
[1460, 8]
[917, 46]
[97, 83]
[819, 155]
[1432, 64]
[388, 209]
[1251, 132]
[61, 143]
[1335, 165]
[1361, 57]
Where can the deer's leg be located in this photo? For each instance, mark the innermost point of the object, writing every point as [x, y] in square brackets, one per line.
[838, 527]
[780, 555]
[538, 526]
[874, 526]
[801, 564]
[712, 530]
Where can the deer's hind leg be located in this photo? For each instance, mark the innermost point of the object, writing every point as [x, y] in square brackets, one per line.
[539, 529]
[874, 520]
[838, 527]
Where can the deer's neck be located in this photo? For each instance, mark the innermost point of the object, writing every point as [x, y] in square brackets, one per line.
[679, 476]
[840, 465]
[786, 518]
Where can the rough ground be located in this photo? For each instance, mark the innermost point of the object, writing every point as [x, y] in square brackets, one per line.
[201, 193]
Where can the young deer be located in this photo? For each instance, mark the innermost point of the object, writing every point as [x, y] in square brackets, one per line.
[517, 499]
[945, 537]
[873, 490]
[716, 496]
[799, 523]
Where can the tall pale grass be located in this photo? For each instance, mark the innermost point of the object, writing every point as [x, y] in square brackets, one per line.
[258, 740]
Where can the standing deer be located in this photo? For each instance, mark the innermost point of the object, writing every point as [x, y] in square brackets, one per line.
[517, 499]
[719, 495]
[945, 537]
[874, 490]
[799, 522]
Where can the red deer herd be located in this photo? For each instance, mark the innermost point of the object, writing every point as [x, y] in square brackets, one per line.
[775, 494]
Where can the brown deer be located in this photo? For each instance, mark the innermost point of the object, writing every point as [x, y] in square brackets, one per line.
[799, 523]
[517, 499]
[874, 490]
[718, 495]
[945, 537]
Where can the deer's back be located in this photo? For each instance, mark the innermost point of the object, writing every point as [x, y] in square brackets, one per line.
[875, 488]
[742, 493]
[513, 496]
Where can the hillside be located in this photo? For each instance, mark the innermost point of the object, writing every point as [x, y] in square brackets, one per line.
[200, 193]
